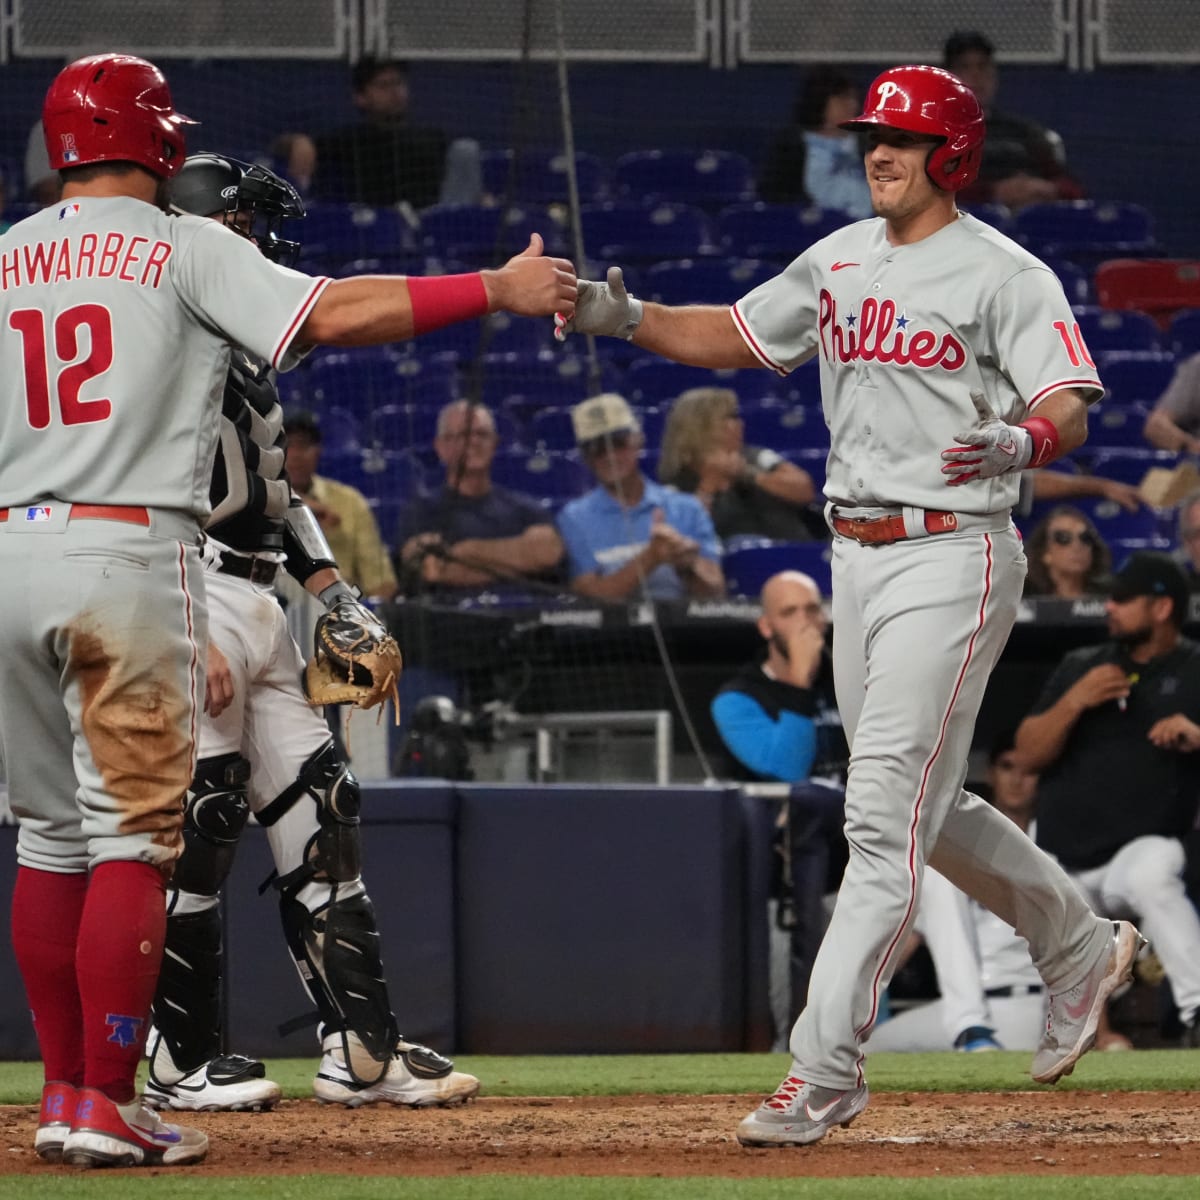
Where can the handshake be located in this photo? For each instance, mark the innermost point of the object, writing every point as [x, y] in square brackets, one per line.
[605, 308]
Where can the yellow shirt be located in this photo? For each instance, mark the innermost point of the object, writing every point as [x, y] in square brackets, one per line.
[354, 538]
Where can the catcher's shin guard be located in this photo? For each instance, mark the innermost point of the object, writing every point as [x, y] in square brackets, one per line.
[336, 948]
[216, 814]
[187, 1004]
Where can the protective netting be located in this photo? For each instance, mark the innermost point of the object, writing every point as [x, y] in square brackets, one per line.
[645, 142]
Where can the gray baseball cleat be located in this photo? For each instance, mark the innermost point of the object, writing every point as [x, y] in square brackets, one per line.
[801, 1113]
[1074, 1014]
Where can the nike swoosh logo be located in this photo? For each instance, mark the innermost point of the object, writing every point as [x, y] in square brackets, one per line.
[153, 1135]
[839, 266]
[1076, 1012]
[819, 1114]
[1006, 449]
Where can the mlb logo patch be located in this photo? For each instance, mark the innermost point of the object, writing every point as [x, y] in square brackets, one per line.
[68, 210]
[70, 156]
[39, 512]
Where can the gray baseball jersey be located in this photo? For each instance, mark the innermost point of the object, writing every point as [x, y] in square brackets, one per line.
[905, 334]
[107, 303]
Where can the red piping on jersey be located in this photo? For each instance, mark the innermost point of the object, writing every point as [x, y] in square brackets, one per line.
[284, 342]
[759, 353]
[191, 635]
[912, 829]
[1093, 385]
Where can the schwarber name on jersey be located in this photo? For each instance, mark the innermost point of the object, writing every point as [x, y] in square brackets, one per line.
[105, 302]
[904, 335]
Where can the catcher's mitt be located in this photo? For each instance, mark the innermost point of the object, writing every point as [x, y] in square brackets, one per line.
[355, 660]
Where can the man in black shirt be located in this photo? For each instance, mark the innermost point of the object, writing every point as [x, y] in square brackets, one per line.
[1114, 736]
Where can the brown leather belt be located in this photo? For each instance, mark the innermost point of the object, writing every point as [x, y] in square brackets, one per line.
[97, 512]
[257, 570]
[879, 531]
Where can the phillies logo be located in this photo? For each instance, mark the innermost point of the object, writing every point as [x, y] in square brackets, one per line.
[125, 1030]
[876, 334]
[886, 92]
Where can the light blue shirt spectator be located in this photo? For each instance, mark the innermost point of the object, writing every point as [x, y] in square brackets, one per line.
[833, 174]
[601, 536]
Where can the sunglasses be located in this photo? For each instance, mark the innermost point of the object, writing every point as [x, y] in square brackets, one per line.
[600, 445]
[1064, 537]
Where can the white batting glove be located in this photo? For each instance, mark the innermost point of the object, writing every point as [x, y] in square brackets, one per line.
[602, 308]
[991, 448]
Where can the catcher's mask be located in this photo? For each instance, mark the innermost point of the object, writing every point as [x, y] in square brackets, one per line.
[209, 184]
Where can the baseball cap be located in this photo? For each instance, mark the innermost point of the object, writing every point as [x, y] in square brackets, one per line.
[601, 416]
[1147, 573]
[303, 423]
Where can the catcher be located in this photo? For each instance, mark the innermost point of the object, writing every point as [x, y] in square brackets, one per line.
[263, 749]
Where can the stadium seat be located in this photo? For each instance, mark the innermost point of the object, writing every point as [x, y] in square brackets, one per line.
[1128, 464]
[1116, 425]
[554, 476]
[1105, 329]
[556, 380]
[709, 178]
[812, 459]
[774, 231]
[401, 426]
[365, 379]
[373, 472]
[482, 236]
[1160, 287]
[413, 262]
[626, 232]
[784, 428]
[341, 431]
[1114, 522]
[998, 216]
[650, 381]
[540, 176]
[704, 280]
[1135, 375]
[337, 233]
[1086, 230]
[1183, 334]
[748, 563]
[652, 421]
[1075, 280]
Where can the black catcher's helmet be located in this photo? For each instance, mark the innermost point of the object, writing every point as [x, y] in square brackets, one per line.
[213, 183]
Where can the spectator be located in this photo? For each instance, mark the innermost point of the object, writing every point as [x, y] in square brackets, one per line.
[42, 185]
[1114, 736]
[629, 529]
[297, 152]
[342, 511]
[1189, 538]
[1067, 556]
[778, 721]
[473, 534]
[385, 158]
[1174, 421]
[1023, 163]
[814, 160]
[747, 490]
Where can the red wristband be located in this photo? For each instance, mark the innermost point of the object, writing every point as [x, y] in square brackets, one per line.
[1045, 440]
[440, 300]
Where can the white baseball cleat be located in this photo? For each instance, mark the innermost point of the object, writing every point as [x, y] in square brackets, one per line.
[416, 1077]
[1073, 1015]
[227, 1083]
[801, 1113]
[107, 1134]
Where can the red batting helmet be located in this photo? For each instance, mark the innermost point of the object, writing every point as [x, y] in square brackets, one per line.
[929, 100]
[113, 108]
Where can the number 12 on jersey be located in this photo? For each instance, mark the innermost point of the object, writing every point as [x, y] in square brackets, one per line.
[70, 376]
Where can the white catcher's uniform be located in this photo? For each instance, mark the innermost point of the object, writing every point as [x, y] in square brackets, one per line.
[115, 320]
[904, 335]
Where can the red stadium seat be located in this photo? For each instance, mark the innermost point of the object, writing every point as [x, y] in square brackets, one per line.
[1158, 286]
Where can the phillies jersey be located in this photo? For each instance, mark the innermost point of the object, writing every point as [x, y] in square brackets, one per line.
[904, 335]
[106, 303]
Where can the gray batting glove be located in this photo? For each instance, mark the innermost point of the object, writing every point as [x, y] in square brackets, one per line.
[602, 308]
[991, 448]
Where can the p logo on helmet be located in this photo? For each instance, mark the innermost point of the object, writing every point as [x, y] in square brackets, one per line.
[932, 102]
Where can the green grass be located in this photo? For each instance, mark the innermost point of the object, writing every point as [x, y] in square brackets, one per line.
[746, 1074]
[167, 1186]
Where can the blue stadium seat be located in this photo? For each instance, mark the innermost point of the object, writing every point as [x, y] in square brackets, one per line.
[1086, 229]
[1123, 547]
[1135, 375]
[654, 380]
[412, 262]
[748, 563]
[774, 231]
[1127, 464]
[551, 429]
[709, 178]
[341, 431]
[1114, 522]
[554, 476]
[998, 216]
[337, 233]
[401, 426]
[1076, 282]
[653, 421]
[1105, 329]
[784, 428]
[621, 233]
[704, 280]
[372, 472]
[366, 379]
[1183, 336]
[555, 379]
[540, 176]
[483, 236]
[812, 460]
[1116, 425]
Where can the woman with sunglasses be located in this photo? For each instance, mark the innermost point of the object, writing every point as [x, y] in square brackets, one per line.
[1067, 556]
[747, 489]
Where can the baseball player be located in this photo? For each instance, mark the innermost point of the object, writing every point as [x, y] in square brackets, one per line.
[950, 361]
[263, 749]
[116, 320]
